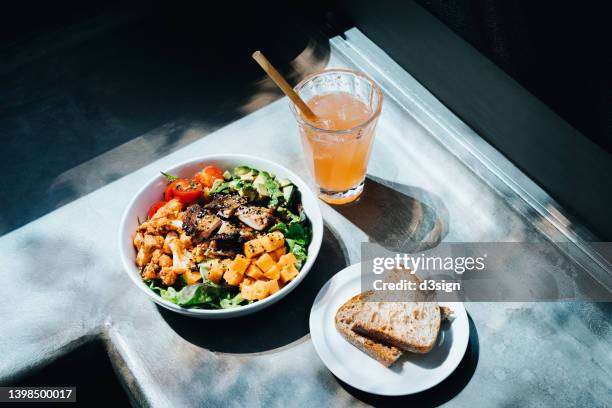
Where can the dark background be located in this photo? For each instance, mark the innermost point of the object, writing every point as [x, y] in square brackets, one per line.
[559, 51]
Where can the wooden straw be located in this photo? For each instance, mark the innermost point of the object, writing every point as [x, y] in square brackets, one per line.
[283, 85]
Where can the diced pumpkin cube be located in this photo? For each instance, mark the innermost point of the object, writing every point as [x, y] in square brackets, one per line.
[232, 277]
[273, 272]
[287, 273]
[254, 272]
[247, 292]
[215, 271]
[273, 286]
[191, 277]
[287, 259]
[253, 248]
[265, 262]
[265, 241]
[255, 291]
[261, 289]
[239, 264]
[246, 281]
[277, 253]
[273, 241]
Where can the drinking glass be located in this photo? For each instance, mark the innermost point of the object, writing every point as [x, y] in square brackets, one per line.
[338, 156]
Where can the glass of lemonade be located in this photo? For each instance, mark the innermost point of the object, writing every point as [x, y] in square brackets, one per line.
[337, 145]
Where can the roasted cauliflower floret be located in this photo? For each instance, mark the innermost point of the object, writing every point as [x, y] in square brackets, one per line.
[199, 252]
[181, 258]
[152, 242]
[170, 210]
[157, 253]
[149, 244]
[159, 226]
[165, 261]
[186, 240]
[168, 276]
[150, 271]
[167, 218]
[138, 238]
[142, 258]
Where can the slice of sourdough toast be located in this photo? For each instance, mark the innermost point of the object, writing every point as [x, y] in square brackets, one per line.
[446, 313]
[345, 316]
[411, 324]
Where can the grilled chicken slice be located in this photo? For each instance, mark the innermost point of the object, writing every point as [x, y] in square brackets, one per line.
[228, 232]
[246, 234]
[190, 219]
[199, 223]
[207, 225]
[228, 239]
[222, 249]
[257, 218]
[233, 236]
[225, 205]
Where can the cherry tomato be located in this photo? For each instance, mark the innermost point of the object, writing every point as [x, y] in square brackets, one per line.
[169, 193]
[184, 190]
[208, 175]
[155, 207]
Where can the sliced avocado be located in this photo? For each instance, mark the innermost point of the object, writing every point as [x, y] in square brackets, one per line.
[235, 184]
[249, 192]
[273, 187]
[239, 171]
[283, 182]
[219, 186]
[227, 176]
[262, 190]
[260, 183]
[260, 179]
[288, 193]
[217, 183]
[250, 176]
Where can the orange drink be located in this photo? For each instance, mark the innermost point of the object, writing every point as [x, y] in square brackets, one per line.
[338, 164]
[337, 145]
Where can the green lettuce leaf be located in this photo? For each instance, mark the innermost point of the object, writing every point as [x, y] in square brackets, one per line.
[298, 248]
[229, 303]
[206, 294]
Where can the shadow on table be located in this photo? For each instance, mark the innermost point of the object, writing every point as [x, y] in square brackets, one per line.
[131, 86]
[398, 216]
[74, 369]
[436, 396]
[282, 323]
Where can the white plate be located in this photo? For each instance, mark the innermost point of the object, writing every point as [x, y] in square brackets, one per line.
[412, 373]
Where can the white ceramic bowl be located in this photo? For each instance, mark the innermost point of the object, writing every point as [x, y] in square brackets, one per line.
[152, 192]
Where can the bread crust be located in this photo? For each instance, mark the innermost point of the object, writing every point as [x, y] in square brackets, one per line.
[446, 313]
[384, 354]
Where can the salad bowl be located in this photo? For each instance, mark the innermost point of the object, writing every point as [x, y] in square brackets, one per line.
[152, 191]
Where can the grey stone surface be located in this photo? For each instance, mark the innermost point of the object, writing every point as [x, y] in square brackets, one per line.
[67, 285]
